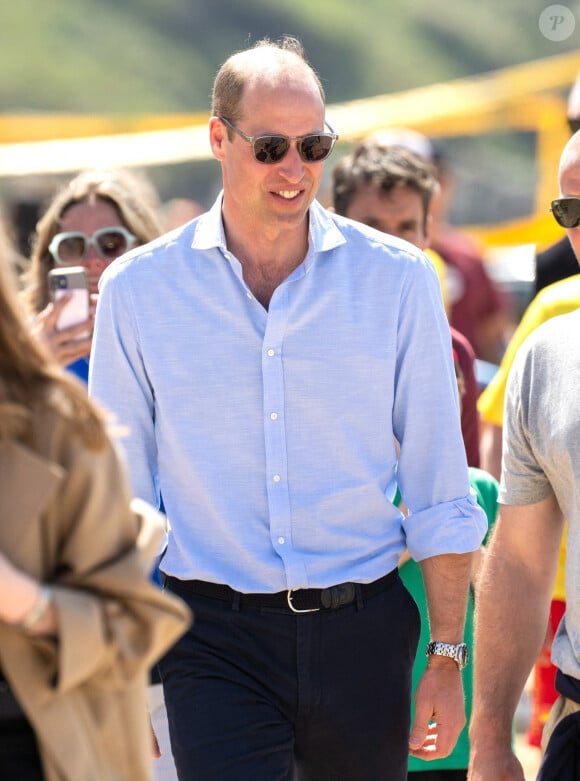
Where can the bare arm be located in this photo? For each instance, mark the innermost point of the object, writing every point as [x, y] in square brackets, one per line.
[513, 602]
[439, 696]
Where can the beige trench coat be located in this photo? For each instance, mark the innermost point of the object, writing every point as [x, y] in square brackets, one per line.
[66, 519]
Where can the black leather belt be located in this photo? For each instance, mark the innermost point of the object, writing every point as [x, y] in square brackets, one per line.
[303, 600]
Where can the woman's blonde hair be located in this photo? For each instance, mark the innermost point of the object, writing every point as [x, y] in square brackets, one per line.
[28, 378]
[130, 194]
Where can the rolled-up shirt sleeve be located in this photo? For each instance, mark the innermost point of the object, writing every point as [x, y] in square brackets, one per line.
[452, 527]
[433, 476]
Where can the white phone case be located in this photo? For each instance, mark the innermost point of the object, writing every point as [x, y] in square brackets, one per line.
[70, 280]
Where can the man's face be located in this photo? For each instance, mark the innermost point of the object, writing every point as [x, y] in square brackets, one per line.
[570, 188]
[271, 197]
[399, 212]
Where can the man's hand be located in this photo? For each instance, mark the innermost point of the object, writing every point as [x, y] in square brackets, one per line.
[439, 710]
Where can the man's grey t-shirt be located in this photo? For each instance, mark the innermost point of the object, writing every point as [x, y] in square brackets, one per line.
[542, 450]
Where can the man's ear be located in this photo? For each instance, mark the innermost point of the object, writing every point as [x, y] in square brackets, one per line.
[218, 136]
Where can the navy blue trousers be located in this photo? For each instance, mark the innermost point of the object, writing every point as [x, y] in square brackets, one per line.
[267, 695]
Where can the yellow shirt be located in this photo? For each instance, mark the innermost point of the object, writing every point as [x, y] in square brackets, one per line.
[441, 270]
[556, 299]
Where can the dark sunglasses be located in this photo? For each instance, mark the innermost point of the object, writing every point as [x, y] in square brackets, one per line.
[573, 124]
[67, 249]
[313, 148]
[566, 212]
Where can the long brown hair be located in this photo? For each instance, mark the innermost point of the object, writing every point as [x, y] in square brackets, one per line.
[28, 378]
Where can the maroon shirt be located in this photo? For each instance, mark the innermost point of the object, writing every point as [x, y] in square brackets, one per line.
[469, 412]
[473, 296]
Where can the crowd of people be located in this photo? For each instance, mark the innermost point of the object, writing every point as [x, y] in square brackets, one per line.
[256, 492]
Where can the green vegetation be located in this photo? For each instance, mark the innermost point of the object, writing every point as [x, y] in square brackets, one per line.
[155, 56]
[161, 55]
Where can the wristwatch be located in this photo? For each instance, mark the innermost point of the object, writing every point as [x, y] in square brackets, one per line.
[456, 651]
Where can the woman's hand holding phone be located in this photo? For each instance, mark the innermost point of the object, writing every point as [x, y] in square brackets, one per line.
[65, 325]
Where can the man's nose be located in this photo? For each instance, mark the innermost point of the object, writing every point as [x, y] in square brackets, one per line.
[292, 165]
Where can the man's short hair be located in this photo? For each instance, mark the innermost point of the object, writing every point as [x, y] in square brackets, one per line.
[285, 53]
[383, 167]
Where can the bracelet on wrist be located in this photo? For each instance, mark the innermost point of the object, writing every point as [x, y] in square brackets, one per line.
[38, 611]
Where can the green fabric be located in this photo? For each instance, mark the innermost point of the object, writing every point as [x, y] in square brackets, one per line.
[486, 489]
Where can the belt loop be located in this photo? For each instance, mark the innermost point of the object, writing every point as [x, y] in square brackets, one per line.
[236, 601]
[359, 596]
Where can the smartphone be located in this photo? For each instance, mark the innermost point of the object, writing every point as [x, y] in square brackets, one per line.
[70, 280]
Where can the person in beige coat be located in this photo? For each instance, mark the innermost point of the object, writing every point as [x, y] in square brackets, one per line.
[81, 622]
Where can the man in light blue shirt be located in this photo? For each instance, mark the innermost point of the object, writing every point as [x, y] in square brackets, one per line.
[265, 359]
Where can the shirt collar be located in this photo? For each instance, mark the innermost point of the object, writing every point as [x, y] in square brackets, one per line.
[324, 234]
[209, 230]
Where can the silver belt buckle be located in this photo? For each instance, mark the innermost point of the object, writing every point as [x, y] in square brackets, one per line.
[295, 610]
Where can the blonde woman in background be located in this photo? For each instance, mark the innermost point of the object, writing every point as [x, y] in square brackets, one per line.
[95, 218]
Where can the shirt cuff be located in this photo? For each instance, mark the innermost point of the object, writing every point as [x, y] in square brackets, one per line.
[458, 526]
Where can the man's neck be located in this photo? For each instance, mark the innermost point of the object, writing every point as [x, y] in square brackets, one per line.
[267, 260]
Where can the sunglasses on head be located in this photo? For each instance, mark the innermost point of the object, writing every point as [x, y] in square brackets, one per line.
[566, 212]
[67, 249]
[313, 148]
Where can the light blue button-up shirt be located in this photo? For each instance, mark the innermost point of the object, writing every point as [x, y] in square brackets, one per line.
[271, 434]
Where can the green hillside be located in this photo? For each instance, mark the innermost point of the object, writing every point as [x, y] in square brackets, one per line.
[161, 55]
[141, 56]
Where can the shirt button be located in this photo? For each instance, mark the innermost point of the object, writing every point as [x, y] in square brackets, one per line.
[273, 416]
[276, 478]
[271, 353]
[281, 540]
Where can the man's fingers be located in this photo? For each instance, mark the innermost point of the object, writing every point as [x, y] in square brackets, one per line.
[422, 727]
[438, 743]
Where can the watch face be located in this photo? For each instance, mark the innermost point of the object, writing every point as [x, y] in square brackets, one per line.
[462, 656]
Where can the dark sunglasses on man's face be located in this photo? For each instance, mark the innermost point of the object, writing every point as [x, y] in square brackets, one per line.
[67, 249]
[313, 148]
[566, 212]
